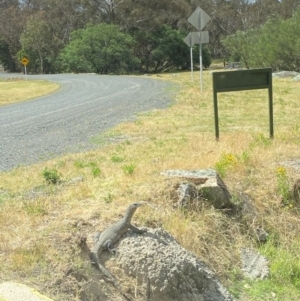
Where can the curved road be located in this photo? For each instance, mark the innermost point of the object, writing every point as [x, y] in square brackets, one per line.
[65, 121]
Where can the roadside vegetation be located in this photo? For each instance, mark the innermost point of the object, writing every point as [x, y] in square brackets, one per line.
[44, 207]
[144, 36]
[17, 89]
[275, 44]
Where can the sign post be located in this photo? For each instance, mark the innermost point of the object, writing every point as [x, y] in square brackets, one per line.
[199, 18]
[189, 41]
[251, 79]
[194, 38]
[200, 50]
[24, 62]
[191, 55]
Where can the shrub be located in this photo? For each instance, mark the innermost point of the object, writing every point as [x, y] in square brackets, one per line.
[51, 176]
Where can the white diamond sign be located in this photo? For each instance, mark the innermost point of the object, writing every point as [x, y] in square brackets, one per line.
[199, 18]
[189, 40]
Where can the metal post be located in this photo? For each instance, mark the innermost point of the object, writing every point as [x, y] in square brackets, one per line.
[271, 106]
[25, 73]
[216, 113]
[200, 50]
[191, 51]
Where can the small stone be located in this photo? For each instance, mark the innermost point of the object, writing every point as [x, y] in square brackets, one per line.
[273, 295]
[262, 235]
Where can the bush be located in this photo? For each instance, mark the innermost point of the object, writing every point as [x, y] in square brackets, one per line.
[51, 176]
[102, 49]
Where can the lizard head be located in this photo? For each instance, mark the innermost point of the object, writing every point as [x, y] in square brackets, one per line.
[132, 208]
[137, 204]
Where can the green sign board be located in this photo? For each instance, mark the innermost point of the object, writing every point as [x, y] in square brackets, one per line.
[228, 81]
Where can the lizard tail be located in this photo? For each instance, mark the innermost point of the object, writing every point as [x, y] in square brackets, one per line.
[95, 262]
[94, 258]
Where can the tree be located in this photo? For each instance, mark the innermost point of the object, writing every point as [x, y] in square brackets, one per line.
[11, 26]
[206, 56]
[5, 56]
[101, 49]
[240, 46]
[142, 14]
[164, 49]
[39, 44]
[275, 44]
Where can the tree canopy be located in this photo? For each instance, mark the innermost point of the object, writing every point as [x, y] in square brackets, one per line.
[275, 44]
[101, 49]
[155, 26]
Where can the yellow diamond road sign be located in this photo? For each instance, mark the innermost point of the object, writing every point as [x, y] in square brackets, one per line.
[24, 61]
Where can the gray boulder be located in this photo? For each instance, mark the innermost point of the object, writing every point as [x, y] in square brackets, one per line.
[296, 78]
[198, 185]
[284, 74]
[167, 272]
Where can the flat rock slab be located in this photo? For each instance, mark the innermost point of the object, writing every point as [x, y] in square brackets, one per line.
[10, 291]
[292, 163]
[255, 265]
[284, 74]
[194, 184]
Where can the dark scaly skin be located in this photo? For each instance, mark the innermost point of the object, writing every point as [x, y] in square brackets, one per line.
[110, 236]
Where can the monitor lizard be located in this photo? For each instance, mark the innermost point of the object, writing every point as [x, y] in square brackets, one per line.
[106, 239]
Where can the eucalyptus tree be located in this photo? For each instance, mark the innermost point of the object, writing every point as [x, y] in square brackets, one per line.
[275, 44]
[11, 26]
[101, 48]
[39, 45]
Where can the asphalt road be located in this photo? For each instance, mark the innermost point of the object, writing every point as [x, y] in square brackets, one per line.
[65, 122]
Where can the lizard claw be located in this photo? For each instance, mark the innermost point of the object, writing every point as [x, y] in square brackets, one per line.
[112, 251]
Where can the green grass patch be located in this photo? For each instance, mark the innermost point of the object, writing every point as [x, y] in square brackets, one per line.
[19, 90]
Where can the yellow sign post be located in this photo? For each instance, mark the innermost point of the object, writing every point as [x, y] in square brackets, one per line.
[24, 62]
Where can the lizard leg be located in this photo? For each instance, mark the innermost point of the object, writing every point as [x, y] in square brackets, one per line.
[96, 237]
[110, 249]
[137, 230]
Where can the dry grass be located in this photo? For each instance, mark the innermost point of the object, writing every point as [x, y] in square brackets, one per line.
[38, 222]
[17, 90]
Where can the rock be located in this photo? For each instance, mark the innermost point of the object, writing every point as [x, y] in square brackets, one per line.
[261, 234]
[296, 191]
[187, 193]
[255, 265]
[166, 271]
[250, 217]
[200, 184]
[10, 291]
[295, 164]
[284, 74]
[296, 78]
[273, 295]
